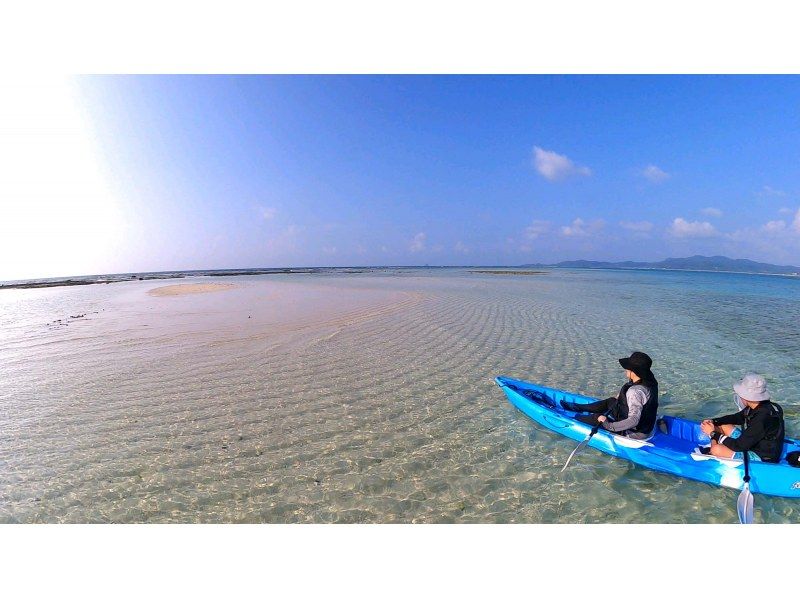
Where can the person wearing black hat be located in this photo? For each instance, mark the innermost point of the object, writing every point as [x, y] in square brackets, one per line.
[633, 411]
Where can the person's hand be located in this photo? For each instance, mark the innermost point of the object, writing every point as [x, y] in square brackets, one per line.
[707, 427]
[601, 418]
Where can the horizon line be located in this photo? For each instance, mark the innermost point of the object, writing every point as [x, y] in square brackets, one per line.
[299, 270]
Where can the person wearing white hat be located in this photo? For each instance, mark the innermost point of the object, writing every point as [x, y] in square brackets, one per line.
[761, 419]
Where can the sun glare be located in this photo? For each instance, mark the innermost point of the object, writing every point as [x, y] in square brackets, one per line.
[57, 215]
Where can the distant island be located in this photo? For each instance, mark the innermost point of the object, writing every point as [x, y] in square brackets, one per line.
[716, 263]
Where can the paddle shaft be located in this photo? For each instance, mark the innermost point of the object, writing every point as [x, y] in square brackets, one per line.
[585, 441]
[745, 497]
[543, 399]
[746, 468]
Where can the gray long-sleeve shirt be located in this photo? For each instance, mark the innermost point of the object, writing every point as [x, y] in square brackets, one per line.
[637, 397]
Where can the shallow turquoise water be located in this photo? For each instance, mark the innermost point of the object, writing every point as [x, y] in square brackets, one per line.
[373, 399]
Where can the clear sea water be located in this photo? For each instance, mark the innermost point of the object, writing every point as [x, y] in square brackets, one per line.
[369, 397]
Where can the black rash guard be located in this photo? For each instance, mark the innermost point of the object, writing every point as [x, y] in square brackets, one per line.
[763, 431]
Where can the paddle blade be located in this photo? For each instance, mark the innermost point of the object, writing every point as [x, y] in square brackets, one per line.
[575, 450]
[744, 505]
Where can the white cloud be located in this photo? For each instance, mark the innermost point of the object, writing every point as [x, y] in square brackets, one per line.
[767, 191]
[774, 226]
[715, 212]
[461, 248]
[654, 174]
[417, 243]
[581, 228]
[639, 227]
[780, 225]
[537, 229]
[267, 213]
[776, 241]
[555, 167]
[329, 250]
[285, 240]
[682, 228]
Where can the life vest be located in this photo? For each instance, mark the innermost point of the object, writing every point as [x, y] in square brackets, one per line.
[647, 420]
[770, 447]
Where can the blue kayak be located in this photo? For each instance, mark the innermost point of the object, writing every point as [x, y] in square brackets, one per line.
[670, 450]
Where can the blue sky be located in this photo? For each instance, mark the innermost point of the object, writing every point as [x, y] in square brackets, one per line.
[214, 172]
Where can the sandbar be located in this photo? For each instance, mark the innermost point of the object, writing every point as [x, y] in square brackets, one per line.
[190, 289]
[512, 272]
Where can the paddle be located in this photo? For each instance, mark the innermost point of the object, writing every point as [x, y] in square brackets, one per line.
[744, 504]
[583, 443]
[545, 400]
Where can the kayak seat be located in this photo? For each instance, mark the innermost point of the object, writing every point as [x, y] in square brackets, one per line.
[682, 429]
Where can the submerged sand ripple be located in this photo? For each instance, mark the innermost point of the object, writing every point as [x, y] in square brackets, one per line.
[366, 400]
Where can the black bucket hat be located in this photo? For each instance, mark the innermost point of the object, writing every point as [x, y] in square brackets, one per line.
[639, 363]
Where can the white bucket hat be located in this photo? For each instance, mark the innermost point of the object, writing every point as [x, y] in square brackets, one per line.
[752, 387]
